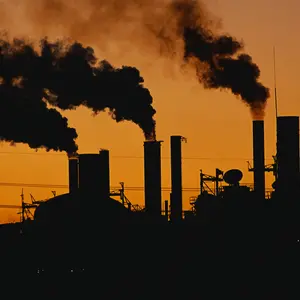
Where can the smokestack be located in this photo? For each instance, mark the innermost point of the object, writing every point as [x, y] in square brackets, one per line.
[73, 173]
[152, 177]
[259, 158]
[92, 183]
[288, 151]
[176, 179]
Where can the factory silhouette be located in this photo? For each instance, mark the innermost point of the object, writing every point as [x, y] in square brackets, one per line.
[234, 240]
[139, 251]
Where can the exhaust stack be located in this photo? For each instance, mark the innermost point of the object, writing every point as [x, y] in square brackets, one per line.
[152, 177]
[288, 151]
[176, 179]
[73, 173]
[259, 158]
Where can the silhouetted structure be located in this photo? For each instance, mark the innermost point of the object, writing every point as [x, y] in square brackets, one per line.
[288, 153]
[152, 177]
[73, 174]
[232, 227]
[259, 158]
[176, 179]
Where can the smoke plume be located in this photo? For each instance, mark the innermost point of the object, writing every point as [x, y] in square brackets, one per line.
[66, 76]
[25, 117]
[173, 27]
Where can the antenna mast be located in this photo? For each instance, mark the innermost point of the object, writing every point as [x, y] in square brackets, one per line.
[276, 112]
[275, 84]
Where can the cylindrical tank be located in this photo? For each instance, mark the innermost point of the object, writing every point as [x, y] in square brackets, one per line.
[73, 173]
[90, 177]
[259, 158]
[288, 151]
[152, 177]
[105, 172]
[176, 179]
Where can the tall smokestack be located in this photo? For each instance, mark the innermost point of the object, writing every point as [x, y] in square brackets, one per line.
[91, 177]
[152, 177]
[288, 151]
[176, 179]
[73, 173]
[259, 158]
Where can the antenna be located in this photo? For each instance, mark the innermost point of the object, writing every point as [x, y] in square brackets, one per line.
[276, 110]
[275, 83]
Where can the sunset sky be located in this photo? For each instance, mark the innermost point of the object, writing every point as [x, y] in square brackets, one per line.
[217, 125]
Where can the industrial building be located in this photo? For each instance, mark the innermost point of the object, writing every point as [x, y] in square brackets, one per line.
[87, 227]
[89, 185]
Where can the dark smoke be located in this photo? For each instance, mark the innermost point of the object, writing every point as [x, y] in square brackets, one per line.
[218, 59]
[77, 78]
[25, 117]
[66, 76]
[225, 66]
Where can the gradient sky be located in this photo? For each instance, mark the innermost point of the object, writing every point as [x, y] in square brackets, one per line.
[216, 124]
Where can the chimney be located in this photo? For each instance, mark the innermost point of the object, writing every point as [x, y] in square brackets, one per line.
[73, 173]
[176, 179]
[93, 179]
[288, 151]
[152, 177]
[259, 158]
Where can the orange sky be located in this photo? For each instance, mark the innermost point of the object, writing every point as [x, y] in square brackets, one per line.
[216, 124]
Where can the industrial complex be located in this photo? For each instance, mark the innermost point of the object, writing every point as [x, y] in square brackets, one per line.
[93, 227]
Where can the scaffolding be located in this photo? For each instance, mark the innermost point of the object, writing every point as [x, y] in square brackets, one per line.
[124, 200]
[26, 208]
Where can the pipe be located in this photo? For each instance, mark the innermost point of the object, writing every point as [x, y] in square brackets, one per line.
[259, 158]
[176, 179]
[167, 210]
[152, 177]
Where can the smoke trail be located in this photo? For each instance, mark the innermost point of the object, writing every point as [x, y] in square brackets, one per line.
[77, 78]
[225, 66]
[25, 117]
[218, 59]
[67, 76]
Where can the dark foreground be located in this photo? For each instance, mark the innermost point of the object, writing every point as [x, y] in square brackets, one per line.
[151, 262]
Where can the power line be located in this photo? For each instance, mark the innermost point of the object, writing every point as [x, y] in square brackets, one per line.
[10, 206]
[132, 156]
[63, 186]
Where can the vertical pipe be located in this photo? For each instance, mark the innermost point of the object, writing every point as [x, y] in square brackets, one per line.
[259, 158]
[176, 179]
[217, 182]
[167, 210]
[201, 183]
[73, 173]
[152, 177]
[288, 151]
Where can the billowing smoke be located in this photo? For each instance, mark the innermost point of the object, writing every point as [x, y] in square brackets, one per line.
[218, 59]
[66, 76]
[75, 77]
[24, 116]
[224, 66]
